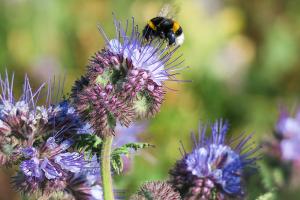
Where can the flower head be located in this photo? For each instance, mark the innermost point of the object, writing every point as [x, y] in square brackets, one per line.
[213, 170]
[157, 190]
[124, 80]
[23, 123]
[20, 119]
[38, 139]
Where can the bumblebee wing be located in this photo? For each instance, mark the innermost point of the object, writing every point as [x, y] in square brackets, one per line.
[169, 11]
[165, 10]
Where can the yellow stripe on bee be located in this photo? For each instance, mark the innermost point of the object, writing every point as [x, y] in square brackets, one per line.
[151, 25]
[176, 26]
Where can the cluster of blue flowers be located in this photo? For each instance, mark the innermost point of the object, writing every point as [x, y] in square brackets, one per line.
[39, 140]
[214, 163]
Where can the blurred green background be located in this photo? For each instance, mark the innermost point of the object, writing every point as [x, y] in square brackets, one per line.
[243, 58]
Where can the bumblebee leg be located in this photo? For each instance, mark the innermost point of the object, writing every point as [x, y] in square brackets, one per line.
[162, 35]
[147, 32]
[171, 38]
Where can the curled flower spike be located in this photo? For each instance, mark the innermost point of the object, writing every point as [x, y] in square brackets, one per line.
[157, 190]
[214, 169]
[101, 108]
[124, 81]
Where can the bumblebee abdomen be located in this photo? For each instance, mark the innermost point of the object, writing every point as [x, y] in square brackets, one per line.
[175, 27]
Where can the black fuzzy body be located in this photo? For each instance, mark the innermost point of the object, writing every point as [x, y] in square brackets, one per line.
[163, 30]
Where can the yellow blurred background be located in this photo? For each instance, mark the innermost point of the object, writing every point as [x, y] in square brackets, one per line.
[243, 58]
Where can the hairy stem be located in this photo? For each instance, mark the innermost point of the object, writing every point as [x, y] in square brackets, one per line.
[106, 169]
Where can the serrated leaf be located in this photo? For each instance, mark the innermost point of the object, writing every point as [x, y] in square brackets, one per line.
[117, 164]
[88, 144]
[116, 156]
[131, 146]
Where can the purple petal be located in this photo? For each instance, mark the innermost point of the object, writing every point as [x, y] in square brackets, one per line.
[65, 145]
[29, 152]
[72, 162]
[97, 192]
[290, 149]
[4, 128]
[51, 144]
[31, 168]
[50, 171]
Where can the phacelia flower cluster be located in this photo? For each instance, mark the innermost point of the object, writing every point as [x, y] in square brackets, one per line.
[20, 120]
[39, 139]
[214, 169]
[124, 81]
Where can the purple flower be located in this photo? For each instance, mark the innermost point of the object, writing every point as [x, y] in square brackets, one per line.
[288, 133]
[37, 138]
[29, 152]
[31, 168]
[80, 188]
[124, 80]
[49, 163]
[86, 184]
[288, 126]
[63, 116]
[213, 167]
[70, 161]
[50, 171]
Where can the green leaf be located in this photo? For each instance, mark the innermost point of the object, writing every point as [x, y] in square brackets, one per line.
[116, 156]
[117, 163]
[88, 144]
[92, 145]
[267, 177]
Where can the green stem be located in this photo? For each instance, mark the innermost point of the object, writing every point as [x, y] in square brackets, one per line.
[106, 169]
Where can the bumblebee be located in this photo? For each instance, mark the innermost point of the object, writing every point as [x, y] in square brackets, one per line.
[164, 28]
